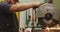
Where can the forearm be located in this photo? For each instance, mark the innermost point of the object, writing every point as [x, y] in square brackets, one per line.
[21, 7]
[25, 6]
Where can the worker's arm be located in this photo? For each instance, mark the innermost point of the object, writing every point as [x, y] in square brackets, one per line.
[20, 7]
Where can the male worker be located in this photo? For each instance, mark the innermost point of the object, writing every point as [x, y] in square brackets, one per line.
[6, 14]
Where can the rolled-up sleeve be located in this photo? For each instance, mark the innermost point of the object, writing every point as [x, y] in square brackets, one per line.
[4, 7]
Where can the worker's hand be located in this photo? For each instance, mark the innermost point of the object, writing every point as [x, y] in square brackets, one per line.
[36, 4]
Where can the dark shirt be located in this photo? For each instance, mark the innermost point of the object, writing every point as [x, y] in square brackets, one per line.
[8, 21]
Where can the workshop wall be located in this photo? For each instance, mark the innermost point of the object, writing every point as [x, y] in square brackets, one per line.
[23, 14]
[1, 0]
[57, 6]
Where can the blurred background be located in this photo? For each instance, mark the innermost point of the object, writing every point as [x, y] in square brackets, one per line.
[29, 18]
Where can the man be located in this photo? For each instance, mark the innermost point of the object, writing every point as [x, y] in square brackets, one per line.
[7, 16]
